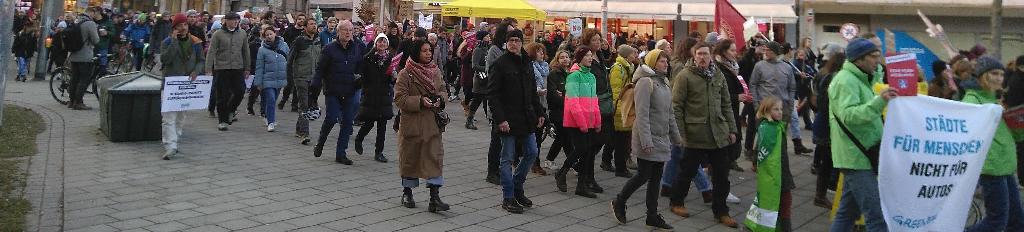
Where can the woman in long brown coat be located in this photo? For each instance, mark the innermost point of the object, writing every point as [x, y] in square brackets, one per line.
[419, 93]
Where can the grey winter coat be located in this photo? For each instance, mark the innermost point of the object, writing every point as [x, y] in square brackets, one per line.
[492, 54]
[479, 65]
[271, 65]
[655, 125]
[774, 78]
[228, 50]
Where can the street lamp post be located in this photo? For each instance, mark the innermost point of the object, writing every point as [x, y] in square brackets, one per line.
[5, 45]
[49, 7]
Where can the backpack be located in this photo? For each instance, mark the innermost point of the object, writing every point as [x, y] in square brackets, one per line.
[71, 38]
[626, 105]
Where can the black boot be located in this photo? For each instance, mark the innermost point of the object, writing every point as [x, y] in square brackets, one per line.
[359, 145]
[469, 123]
[493, 179]
[318, 150]
[619, 210]
[583, 188]
[654, 221]
[592, 185]
[522, 200]
[407, 200]
[379, 157]
[435, 201]
[798, 147]
[510, 205]
[560, 179]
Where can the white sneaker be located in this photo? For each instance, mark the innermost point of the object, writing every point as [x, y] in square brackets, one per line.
[222, 126]
[549, 164]
[270, 126]
[167, 154]
[732, 199]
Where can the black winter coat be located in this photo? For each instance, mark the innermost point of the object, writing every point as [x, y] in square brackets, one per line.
[512, 94]
[336, 69]
[24, 45]
[735, 89]
[747, 64]
[377, 84]
[1015, 88]
[556, 103]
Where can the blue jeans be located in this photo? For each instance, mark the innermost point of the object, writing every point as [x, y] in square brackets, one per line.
[22, 66]
[794, 125]
[860, 195]
[102, 53]
[269, 96]
[137, 60]
[339, 110]
[672, 171]
[510, 185]
[1002, 205]
[412, 182]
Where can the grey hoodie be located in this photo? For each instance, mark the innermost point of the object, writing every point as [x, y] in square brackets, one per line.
[655, 124]
[774, 78]
[90, 37]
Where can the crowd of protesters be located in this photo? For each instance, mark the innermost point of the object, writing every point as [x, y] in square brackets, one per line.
[676, 112]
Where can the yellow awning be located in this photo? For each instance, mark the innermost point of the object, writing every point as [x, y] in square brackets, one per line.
[519, 9]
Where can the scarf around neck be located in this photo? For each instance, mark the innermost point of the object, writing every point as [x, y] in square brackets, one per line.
[706, 72]
[730, 65]
[423, 74]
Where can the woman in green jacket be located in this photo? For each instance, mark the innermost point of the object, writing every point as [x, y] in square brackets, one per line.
[1003, 210]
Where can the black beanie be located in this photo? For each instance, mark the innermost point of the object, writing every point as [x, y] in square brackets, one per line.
[514, 33]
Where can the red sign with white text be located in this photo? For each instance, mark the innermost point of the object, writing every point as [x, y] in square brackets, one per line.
[902, 73]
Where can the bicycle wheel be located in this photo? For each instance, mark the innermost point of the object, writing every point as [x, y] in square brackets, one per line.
[976, 212]
[60, 85]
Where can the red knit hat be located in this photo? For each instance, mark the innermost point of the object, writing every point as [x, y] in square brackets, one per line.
[178, 19]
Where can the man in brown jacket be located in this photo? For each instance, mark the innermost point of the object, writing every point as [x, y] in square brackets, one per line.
[228, 59]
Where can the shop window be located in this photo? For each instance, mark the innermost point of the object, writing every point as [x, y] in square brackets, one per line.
[830, 29]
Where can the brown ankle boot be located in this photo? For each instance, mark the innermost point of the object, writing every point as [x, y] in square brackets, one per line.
[681, 211]
[727, 221]
[538, 170]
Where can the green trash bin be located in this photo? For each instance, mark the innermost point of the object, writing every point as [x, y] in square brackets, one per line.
[130, 106]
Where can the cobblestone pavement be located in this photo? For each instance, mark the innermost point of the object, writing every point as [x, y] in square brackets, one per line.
[247, 179]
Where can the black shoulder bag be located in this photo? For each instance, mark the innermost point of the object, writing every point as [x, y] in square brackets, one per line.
[871, 153]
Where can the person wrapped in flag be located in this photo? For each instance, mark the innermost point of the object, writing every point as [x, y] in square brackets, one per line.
[771, 210]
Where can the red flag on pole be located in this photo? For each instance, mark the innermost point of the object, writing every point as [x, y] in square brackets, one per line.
[729, 22]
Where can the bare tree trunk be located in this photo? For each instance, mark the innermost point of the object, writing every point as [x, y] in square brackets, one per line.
[997, 29]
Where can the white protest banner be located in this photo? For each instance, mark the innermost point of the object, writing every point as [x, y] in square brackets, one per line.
[575, 27]
[181, 94]
[426, 22]
[931, 156]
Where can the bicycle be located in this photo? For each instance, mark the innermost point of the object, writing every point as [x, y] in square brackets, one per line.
[121, 59]
[60, 82]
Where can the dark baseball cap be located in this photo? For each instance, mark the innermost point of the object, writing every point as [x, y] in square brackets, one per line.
[232, 15]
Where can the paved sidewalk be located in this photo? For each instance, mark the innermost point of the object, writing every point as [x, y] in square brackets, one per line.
[250, 180]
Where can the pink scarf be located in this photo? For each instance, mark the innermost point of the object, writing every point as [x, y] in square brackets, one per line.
[423, 74]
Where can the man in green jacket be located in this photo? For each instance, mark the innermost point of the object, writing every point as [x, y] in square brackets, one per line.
[703, 113]
[855, 106]
[182, 56]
